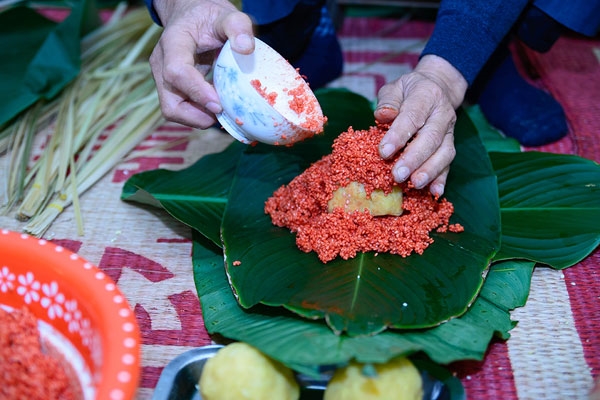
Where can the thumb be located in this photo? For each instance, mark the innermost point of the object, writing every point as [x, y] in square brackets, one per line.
[237, 27]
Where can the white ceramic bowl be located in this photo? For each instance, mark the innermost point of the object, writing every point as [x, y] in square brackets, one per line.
[264, 98]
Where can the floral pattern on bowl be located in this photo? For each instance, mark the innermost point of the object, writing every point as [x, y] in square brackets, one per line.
[249, 115]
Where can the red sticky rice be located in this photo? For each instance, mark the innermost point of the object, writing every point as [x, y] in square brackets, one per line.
[26, 372]
[270, 97]
[302, 102]
[301, 205]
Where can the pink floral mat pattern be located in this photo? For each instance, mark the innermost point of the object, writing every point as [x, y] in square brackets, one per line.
[554, 351]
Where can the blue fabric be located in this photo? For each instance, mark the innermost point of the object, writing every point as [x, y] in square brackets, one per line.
[582, 16]
[290, 35]
[467, 32]
[322, 60]
[520, 110]
[152, 12]
[538, 30]
[268, 11]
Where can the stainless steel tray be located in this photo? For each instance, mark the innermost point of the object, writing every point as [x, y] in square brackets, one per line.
[179, 379]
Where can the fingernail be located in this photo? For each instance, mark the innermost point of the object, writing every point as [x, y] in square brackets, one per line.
[386, 112]
[213, 107]
[437, 189]
[387, 150]
[243, 42]
[401, 173]
[420, 180]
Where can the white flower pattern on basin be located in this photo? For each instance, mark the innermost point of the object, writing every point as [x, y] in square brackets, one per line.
[51, 299]
[66, 319]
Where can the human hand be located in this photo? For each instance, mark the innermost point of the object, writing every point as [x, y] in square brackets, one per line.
[194, 31]
[420, 106]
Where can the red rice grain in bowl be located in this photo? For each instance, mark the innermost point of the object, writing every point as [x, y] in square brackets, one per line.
[30, 368]
[301, 206]
[270, 97]
[301, 102]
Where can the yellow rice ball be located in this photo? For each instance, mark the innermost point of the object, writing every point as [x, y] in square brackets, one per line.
[240, 372]
[397, 379]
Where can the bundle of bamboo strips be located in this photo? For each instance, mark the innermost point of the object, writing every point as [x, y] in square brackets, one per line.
[96, 121]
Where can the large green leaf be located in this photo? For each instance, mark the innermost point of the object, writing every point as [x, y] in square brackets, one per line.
[39, 56]
[435, 287]
[371, 292]
[491, 137]
[304, 344]
[550, 206]
[198, 205]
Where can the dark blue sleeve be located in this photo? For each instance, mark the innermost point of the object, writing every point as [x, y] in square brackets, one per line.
[582, 16]
[467, 32]
[152, 12]
[267, 11]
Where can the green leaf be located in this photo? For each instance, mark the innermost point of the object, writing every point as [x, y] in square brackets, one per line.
[435, 287]
[491, 137]
[371, 292]
[565, 187]
[452, 382]
[550, 205]
[196, 195]
[40, 57]
[305, 345]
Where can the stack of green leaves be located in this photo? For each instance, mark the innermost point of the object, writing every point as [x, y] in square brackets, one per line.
[40, 56]
[519, 209]
[67, 85]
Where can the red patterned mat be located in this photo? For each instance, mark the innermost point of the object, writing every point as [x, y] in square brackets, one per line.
[554, 351]
[570, 71]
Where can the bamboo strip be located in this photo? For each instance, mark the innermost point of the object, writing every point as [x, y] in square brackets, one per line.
[97, 120]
